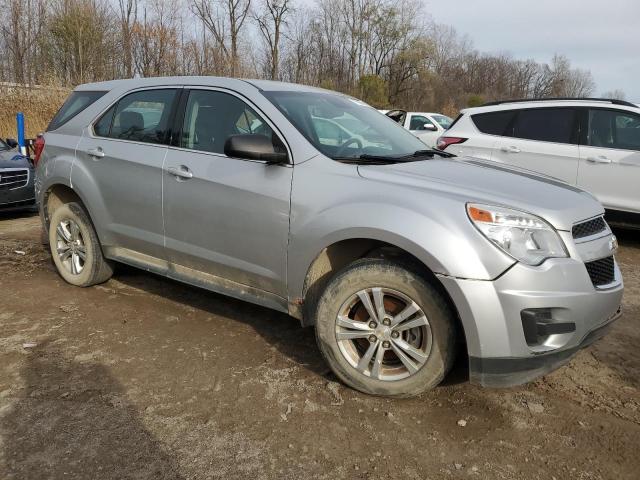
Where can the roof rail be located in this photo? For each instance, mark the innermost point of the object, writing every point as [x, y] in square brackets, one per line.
[554, 99]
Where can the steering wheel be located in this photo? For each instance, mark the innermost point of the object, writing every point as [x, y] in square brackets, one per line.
[348, 142]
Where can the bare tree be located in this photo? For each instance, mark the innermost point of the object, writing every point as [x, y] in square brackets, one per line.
[81, 40]
[271, 20]
[224, 20]
[21, 34]
[387, 51]
[128, 19]
[616, 94]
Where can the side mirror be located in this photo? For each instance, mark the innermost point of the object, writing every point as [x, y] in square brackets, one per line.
[254, 147]
[430, 127]
[12, 142]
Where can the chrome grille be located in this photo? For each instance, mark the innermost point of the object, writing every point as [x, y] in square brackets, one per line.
[13, 178]
[601, 271]
[588, 228]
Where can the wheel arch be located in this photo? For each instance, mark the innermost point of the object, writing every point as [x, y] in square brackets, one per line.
[334, 257]
[60, 193]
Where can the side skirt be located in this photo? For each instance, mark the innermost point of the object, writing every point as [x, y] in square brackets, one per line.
[196, 278]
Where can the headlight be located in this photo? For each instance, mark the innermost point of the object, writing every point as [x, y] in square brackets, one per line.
[525, 237]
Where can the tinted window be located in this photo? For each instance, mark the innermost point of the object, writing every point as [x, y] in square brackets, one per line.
[546, 125]
[211, 117]
[142, 116]
[76, 103]
[614, 129]
[418, 122]
[493, 123]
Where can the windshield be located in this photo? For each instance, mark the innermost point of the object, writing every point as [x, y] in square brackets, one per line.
[3, 146]
[444, 121]
[342, 127]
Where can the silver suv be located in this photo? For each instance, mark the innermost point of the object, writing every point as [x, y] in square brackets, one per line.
[399, 256]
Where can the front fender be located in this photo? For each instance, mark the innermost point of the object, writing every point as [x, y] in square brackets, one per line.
[447, 248]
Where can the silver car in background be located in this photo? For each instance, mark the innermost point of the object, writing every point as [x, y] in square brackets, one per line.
[400, 256]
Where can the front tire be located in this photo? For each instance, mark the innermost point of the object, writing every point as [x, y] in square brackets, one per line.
[75, 247]
[384, 330]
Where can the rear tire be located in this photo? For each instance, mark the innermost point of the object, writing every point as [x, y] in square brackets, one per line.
[75, 247]
[401, 350]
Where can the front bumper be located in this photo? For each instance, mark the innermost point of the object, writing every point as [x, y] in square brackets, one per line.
[508, 372]
[491, 315]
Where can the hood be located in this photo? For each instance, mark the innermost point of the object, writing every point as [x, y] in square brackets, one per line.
[473, 180]
[13, 159]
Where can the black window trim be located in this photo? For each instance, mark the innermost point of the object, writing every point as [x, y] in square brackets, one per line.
[514, 111]
[172, 113]
[179, 121]
[584, 126]
[508, 131]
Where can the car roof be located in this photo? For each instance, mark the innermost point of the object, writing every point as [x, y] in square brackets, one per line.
[265, 85]
[521, 104]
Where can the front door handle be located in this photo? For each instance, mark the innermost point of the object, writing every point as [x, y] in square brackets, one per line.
[180, 173]
[510, 149]
[95, 152]
[599, 159]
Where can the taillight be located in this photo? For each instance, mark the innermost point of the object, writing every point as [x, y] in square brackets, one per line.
[38, 147]
[443, 142]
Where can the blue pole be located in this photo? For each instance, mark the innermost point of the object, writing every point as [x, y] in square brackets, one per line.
[20, 121]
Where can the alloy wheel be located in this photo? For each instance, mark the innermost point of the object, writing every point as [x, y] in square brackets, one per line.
[383, 334]
[70, 246]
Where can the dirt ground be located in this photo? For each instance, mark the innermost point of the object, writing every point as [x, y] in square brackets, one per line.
[143, 377]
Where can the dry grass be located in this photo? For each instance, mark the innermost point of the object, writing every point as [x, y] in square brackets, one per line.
[39, 105]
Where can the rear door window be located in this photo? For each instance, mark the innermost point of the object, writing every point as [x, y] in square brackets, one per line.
[556, 125]
[614, 129]
[143, 116]
[77, 102]
[493, 123]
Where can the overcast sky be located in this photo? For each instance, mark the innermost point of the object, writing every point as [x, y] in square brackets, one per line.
[602, 36]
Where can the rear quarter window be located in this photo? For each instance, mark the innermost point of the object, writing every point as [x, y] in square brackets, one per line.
[493, 123]
[77, 102]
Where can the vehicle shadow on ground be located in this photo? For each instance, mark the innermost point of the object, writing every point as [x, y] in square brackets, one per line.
[73, 420]
[278, 329]
[627, 237]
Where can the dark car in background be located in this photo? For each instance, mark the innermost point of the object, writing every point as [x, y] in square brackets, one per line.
[16, 179]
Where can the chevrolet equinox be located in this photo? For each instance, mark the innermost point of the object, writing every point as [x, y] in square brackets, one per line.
[398, 255]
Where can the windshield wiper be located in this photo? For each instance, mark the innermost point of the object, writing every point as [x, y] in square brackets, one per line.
[387, 159]
[412, 157]
[431, 152]
[367, 160]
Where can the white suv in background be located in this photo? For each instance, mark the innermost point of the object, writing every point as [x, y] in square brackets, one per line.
[424, 125]
[591, 143]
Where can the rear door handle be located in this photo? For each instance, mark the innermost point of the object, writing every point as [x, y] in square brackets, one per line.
[510, 149]
[599, 159]
[95, 152]
[181, 173]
